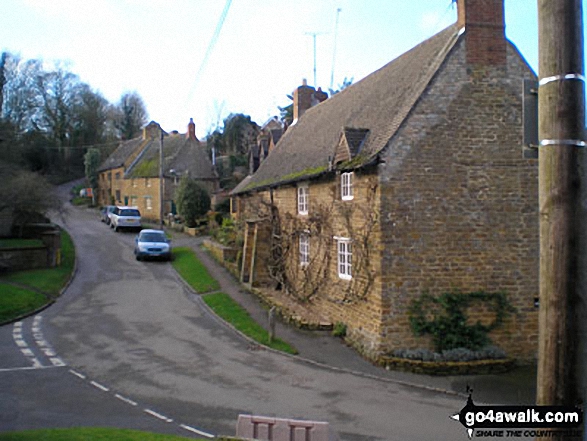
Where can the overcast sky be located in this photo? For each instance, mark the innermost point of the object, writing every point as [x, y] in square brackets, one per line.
[263, 51]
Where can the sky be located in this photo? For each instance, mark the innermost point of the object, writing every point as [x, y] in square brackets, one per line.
[165, 50]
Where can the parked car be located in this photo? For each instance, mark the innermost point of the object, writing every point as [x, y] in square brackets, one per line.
[125, 217]
[152, 243]
[105, 213]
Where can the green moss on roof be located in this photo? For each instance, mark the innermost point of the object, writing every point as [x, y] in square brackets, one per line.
[146, 168]
[296, 176]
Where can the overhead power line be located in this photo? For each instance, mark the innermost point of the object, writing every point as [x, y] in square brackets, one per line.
[210, 48]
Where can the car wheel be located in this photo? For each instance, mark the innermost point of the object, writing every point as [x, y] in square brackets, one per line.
[138, 257]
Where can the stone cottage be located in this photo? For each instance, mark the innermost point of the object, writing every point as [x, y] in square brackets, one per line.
[413, 180]
[130, 175]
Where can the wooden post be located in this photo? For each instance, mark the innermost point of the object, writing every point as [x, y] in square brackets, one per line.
[271, 319]
[161, 192]
[561, 109]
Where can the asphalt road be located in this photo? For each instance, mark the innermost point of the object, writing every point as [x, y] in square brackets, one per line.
[129, 346]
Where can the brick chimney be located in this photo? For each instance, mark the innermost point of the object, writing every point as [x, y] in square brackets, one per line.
[484, 25]
[302, 99]
[191, 134]
[151, 131]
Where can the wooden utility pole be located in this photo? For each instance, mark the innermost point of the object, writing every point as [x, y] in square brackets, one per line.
[561, 108]
[161, 192]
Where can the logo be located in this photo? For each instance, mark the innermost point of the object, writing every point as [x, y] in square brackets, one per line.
[515, 421]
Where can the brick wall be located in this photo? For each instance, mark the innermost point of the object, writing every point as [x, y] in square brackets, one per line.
[460, 202]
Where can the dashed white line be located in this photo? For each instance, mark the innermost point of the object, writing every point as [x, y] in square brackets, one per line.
[77, 374]
[158, 415]
[27, 352]
[20, 343]
[196, 431]
[126, 400]
[99, 386]
[56, 361]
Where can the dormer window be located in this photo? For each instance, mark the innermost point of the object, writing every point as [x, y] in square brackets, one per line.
[346, 186]
[303, 196]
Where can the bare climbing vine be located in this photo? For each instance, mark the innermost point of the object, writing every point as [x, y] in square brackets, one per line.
[357, 219]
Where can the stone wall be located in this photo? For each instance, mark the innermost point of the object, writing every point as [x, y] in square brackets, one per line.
[460, 201]
[355, 302]
[19, 259]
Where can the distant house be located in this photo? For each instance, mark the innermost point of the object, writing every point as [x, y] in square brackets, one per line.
[130, 176]
[410, 181]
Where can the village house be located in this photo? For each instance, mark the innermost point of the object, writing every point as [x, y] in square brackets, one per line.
[130, 175]
[412, 181]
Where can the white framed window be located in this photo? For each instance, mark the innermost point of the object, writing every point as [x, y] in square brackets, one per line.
[346, 186]
[134, 182]
[133, 201]
[303, 195]
[147, 182]
[345, 258]
[149, 202]
[304, 249]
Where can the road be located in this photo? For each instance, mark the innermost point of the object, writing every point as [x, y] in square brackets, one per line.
[129, 346]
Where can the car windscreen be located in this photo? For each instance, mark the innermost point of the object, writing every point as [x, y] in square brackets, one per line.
[152, 237]
[129, 213]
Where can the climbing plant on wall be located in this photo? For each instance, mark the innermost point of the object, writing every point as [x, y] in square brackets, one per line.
[446, 318]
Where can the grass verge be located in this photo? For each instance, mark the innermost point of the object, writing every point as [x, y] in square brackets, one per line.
[49, 280]
[87, 434]
[193, 271]
[230, 311]
[16, 301]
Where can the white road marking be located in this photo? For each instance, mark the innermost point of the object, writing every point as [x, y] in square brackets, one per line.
[18, 325]
[77, 374]
[26, 368]
[42, 343]
[49, 352]
[27, 352]
[99, 386]
[56, 361]
[158, 415]
[126, 400]
[196, 431]
[21, 343]
[36, 363]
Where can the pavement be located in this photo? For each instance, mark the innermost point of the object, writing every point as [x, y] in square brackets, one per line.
[517, 387]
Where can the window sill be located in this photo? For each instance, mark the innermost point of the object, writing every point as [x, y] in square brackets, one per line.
[345, 277]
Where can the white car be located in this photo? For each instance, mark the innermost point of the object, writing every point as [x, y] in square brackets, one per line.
[152, 243]
[125, 217]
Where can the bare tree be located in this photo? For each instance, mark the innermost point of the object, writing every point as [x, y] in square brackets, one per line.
[131, 115]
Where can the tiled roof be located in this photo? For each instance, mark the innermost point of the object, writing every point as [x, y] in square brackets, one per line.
[180, 154]
[120, 155]
[378, 103]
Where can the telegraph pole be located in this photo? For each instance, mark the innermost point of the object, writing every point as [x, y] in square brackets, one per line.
[161, 202]
[562, 180]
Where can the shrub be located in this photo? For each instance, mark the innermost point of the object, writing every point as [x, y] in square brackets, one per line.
[444, 317]
[339, 330]
[192, 201]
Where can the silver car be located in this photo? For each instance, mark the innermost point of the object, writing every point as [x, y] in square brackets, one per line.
[125, 217]
[152, 243]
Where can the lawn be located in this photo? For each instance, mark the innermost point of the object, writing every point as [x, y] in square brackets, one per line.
[49, 280]
[16, 301]
[229, 310]
[193, 271]
[87, 434]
